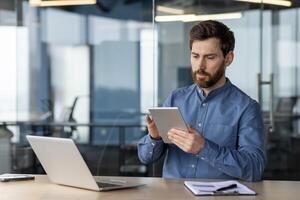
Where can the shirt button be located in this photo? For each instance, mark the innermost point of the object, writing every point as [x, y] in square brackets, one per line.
[199, 124]
[202, 157]
[150, 152]
[193, 166]
[204, 104]
[153, 144]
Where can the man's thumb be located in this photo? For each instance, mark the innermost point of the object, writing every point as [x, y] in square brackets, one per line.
[190, 129]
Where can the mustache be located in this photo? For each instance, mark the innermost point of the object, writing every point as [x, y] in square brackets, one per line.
[201, 72]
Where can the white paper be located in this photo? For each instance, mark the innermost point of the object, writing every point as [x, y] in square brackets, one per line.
[210, 188]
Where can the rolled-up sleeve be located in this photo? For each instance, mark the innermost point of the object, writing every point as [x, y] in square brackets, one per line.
[248, 161]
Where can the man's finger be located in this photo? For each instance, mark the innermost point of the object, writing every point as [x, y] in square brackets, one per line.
[191, 129]
[179, 132]
[178, 142]
[179, 137]
[148, 119]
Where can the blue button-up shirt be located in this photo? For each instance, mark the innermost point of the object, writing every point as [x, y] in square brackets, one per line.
[231, 123]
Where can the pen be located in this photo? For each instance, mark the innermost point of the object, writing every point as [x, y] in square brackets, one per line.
[227, 187]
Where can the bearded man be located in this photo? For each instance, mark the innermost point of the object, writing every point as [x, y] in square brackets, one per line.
[225, 139]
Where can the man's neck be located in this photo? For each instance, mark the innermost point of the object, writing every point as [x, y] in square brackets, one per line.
[219, 84]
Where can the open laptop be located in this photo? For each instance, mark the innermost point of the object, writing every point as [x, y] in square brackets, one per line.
[64, 165]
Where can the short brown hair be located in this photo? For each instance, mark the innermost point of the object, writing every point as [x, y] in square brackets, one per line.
[213, 29]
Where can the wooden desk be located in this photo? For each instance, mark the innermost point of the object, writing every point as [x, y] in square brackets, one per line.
[156, 189]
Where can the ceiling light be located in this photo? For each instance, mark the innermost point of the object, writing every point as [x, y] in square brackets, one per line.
[273, 2]
[192, 17]
[44, 3]
[171, 18]
[221, 16]
[170, 10]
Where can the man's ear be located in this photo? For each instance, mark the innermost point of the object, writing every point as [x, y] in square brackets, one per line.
[229, 58]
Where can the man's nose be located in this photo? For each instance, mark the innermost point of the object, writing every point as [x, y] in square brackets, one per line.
[201, 64]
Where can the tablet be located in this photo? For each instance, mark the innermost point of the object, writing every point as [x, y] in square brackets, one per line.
[166, 118]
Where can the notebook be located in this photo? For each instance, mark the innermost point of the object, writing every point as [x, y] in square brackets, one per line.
[220, 188]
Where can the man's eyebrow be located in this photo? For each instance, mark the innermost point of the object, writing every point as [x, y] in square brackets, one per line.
[209, 54]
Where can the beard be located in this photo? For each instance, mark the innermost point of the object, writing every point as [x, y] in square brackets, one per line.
[210, 79]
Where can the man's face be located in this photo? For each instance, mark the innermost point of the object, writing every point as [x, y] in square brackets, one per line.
[208, 62]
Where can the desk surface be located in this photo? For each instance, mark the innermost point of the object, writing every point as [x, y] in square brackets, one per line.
[156, 188]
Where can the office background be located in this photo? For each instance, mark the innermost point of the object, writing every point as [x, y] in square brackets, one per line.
[89, 72]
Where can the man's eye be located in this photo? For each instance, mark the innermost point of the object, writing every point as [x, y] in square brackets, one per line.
[210, 57]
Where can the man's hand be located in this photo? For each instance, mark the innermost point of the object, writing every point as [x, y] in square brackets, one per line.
[152, 129]
[190, 142]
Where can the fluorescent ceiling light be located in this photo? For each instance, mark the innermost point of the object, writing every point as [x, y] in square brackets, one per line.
[273, 2]
[170, 10]
[171, 18]
[44, 3]
[192, 17]
[235, 15]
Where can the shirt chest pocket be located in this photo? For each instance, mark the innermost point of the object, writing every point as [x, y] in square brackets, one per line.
[223, 135]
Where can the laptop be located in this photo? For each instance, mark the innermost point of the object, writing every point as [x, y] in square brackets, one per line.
[64, 165]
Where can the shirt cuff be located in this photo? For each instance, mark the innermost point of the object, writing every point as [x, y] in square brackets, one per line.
[209, 152]
[154, 142]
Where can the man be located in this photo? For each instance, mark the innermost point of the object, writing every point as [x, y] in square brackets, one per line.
[225, 138]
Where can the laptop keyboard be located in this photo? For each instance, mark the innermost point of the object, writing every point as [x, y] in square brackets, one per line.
[104, 185]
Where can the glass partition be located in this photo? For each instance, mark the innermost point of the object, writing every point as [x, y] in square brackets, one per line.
[266, 65]
[9, 34]
[78, 72]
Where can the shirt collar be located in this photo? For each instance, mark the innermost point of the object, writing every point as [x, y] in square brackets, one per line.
[214, 92]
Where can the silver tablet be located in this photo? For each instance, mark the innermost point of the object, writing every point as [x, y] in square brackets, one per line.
[166, 118]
